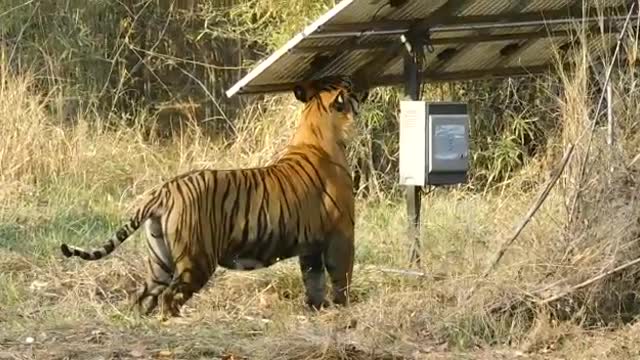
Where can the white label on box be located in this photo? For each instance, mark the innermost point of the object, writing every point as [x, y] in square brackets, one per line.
[412, 142]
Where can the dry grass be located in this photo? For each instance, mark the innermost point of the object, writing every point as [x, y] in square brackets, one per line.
[73, 180]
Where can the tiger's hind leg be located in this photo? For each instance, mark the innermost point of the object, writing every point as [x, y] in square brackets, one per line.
[313, 277]
[186, 282]
[159, 266]
[338, 258]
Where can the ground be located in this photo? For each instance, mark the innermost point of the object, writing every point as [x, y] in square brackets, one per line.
[56, 308]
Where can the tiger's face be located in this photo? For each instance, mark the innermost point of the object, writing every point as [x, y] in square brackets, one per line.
[333, 96]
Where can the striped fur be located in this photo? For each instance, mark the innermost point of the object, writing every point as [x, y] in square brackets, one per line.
[243, 219]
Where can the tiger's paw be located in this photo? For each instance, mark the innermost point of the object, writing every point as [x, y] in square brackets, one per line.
[317, 305]
[171, 305]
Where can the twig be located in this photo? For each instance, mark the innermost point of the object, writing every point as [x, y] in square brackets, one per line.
[583, 165]
[163, 56]
[408, 272]
[588, 282]
[121, 47]
[534, 208]
[634, 160]
[22, 30]
[403, 272]
[16, 8]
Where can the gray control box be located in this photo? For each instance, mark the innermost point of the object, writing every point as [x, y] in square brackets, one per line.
[434, 146]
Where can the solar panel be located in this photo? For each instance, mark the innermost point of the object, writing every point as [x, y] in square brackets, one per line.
[466, 39]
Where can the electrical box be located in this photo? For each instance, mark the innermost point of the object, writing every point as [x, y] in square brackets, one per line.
[434, 146]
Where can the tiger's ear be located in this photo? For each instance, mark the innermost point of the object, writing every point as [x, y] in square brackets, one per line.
[304, 91]
[300, 93]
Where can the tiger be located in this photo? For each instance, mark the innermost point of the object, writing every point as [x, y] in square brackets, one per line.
[244, 219]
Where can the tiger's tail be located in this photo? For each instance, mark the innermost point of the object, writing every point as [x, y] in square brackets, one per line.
[122, 234]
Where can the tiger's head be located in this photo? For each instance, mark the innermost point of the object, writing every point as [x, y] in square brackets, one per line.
[331, 102]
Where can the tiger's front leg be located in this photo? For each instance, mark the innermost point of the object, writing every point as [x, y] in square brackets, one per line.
[338, 258]
[313, 277]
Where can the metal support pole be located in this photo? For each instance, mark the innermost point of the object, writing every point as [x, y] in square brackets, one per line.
[413, 193]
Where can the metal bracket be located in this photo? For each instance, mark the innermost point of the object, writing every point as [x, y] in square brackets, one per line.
[414, 43]
[416, 40]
